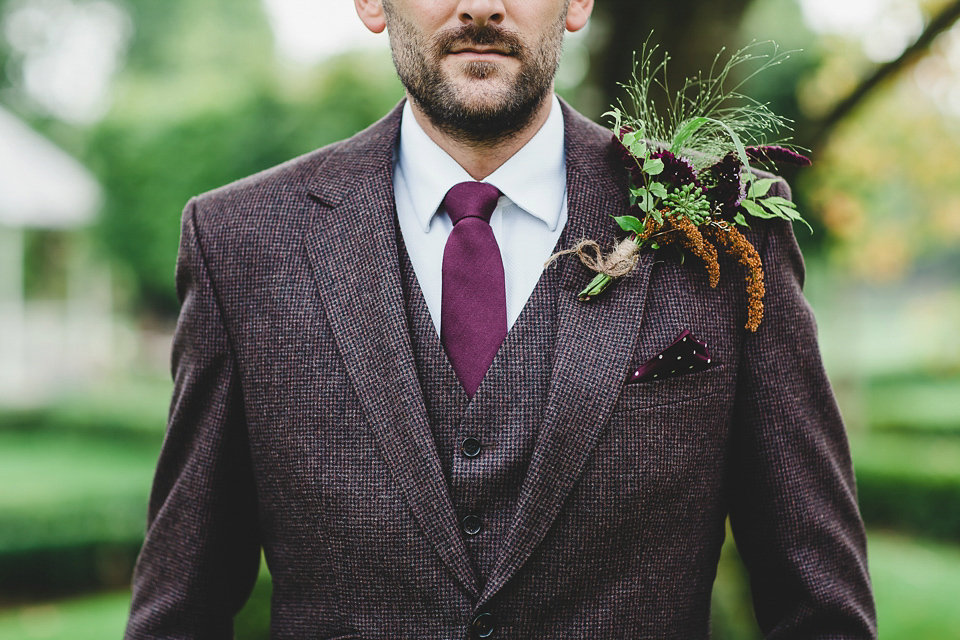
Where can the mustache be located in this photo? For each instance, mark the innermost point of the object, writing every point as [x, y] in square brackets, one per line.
[487, 36]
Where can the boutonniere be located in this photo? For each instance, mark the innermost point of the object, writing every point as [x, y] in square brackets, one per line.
[690, 164]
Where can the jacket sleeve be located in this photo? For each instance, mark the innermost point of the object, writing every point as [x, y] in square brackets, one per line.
[201, 554]
[792, 497]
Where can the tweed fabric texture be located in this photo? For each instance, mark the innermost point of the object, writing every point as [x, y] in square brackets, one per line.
[504, 415]
[299, 425]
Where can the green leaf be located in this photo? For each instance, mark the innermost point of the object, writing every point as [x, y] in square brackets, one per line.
[659, 190]
[775, 209]
[644, 199]
[783, 202]
[629, 139]
[686, 132]
[737, 144]
[759, 188]
[789, 213]
[740, 220]
[653, 166]
[617, 119]
[756, 210]
[629, 223]
[639, 148]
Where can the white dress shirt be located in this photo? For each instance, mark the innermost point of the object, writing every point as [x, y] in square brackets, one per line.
[527, 222]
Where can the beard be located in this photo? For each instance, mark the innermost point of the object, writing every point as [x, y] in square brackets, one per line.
[490, 112]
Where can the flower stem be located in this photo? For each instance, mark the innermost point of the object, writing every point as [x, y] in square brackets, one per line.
[597, 286]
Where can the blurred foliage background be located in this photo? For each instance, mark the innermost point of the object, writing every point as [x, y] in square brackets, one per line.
[158, 100]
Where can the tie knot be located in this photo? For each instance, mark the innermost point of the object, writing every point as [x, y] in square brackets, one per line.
[471, 200]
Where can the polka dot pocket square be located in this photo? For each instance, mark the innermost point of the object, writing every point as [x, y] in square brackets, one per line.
[685, 355]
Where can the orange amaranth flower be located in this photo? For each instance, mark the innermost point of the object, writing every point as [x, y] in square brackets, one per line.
[739, 247]
[679, 229]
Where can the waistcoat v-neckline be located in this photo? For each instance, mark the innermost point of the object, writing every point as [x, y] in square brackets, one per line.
[505, 414]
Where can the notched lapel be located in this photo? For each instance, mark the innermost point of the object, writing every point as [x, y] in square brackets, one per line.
[353, 251]
[594, 344]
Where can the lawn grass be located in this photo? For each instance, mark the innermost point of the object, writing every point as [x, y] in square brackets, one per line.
[104, 615]
[920, 405]
[90, 618]
[917, 587]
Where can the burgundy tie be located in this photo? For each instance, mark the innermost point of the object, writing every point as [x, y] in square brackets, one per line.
[473, 303]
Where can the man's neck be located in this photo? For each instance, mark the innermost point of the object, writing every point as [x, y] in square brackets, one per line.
[478, 159]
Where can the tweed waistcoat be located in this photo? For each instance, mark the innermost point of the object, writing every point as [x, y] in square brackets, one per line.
[504, 415]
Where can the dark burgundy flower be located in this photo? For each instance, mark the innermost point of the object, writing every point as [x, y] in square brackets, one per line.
[628, 160]
[725, 188]
[773, 153]
[676, 171]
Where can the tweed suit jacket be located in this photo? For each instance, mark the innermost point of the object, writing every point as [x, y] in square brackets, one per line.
[298, 426]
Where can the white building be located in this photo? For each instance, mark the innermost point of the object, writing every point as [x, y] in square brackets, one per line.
[46, 344]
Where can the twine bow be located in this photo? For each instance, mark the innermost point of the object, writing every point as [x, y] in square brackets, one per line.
[616, 264]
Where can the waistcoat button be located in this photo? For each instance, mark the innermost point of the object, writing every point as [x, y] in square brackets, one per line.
[482, 626]
[470, 447]
[472, 526]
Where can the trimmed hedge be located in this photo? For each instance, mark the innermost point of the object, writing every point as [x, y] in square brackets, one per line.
[909, 483]
[41, 574]
[72, 513]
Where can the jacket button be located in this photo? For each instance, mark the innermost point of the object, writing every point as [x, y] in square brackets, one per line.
[472, 526]
[482, 626]
[470, 447]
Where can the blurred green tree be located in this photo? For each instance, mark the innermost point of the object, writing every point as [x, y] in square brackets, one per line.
[692, 31]
[150, 169]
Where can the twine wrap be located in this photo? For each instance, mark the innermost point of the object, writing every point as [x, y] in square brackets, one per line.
[616, 264]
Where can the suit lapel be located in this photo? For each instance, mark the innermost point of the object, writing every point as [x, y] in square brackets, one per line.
[353, 251]
[593, 347]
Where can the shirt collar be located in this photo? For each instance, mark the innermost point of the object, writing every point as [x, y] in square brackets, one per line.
[534, 178]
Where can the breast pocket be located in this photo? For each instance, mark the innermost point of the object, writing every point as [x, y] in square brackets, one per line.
[656, 393]
[665, 441]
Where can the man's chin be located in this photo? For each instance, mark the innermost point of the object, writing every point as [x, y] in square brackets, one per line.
[482, 94]
[481, 100]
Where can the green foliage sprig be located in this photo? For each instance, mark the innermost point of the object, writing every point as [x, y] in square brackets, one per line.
[689, 157]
